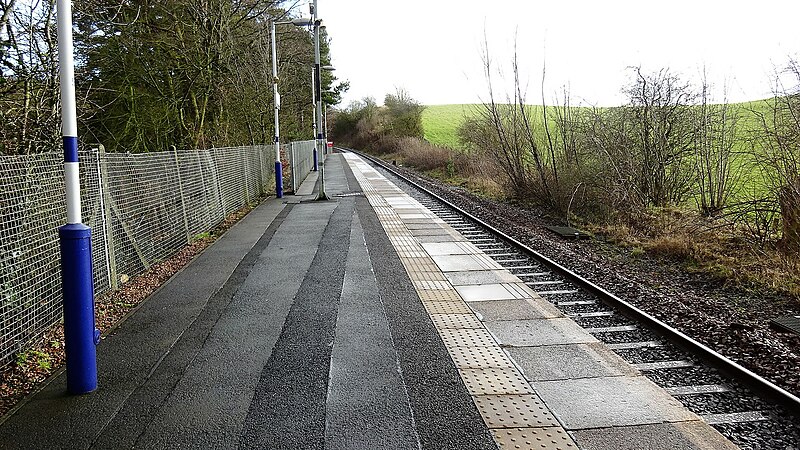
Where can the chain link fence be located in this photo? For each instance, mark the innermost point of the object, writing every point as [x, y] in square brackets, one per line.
[141, 208]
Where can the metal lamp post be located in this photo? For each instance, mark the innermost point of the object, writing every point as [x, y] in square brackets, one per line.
[327, 68]
[318, 150]
[75, 238]
[277, 101]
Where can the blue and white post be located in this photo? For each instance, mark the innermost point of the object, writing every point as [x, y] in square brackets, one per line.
[75, 238]
[318, 149]
[314, 114]
[277, 98]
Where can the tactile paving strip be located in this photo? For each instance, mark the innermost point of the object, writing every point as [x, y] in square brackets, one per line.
[433, 285]
[479, 357]
[495, 381]
[514, 411]
[467, 337]
[442, 321]
[427, 276]
[447, 307]
[442, 296]
[533, 438]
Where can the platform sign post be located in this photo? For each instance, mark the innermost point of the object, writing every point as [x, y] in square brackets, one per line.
[75, 241]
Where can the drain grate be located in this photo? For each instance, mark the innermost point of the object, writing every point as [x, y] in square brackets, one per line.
[514, 411]
[568, 232]
[554, 438]
[787, 323]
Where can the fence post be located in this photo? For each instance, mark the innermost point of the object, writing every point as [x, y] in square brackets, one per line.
[293, 164]
[180, 192]
[246, 187]
[260, 170]
[105, 203]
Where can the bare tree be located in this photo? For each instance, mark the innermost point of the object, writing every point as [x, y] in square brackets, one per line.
[29, 95]
[715, 139]
[663, 135]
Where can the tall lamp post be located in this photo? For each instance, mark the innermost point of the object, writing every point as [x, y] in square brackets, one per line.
[318, 149]
[75, 238]
[277, 100]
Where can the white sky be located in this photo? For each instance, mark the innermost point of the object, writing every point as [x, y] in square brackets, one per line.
[432, 47]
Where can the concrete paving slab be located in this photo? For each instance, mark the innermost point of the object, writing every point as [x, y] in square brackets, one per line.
[610, 402]
[531, 333]
[451, 248]
[488, 292]
[431, 232]
[424, 220]
[560, 362]
[415, 215]
[460, 263]
[441, 238]
[422, 226]
[519, 309]
[693, 435]
[480, 277]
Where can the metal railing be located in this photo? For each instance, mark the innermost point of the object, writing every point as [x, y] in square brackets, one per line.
[141, 208]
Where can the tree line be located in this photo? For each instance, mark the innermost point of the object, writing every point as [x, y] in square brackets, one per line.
[156, 74]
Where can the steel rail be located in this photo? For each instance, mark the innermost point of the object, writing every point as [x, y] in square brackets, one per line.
[758, 384]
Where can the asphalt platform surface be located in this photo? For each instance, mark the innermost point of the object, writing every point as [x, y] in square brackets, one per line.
[298, 329]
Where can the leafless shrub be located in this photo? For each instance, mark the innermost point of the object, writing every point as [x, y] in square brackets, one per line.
[777, 153]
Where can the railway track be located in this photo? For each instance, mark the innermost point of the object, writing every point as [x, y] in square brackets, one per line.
[748, 409]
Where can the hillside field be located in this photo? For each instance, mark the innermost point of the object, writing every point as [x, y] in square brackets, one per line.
[441, 123]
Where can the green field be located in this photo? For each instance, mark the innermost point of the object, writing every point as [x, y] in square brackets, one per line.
[441, 123]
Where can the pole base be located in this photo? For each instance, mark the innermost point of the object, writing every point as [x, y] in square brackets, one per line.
[75, 241]
[278, 180]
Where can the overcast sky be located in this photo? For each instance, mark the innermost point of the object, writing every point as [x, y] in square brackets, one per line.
[432, 48]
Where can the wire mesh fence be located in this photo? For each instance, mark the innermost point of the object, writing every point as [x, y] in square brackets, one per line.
[302, 161]
[141, 208]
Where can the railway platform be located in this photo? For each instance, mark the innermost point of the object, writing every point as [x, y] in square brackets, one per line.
[360, 322]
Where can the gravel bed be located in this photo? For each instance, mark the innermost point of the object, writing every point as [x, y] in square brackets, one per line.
[602, 321]
[574, 309]
[723, 402]
[686, 376]
[777, 434]
[546, 277]
[651, 354]
[619, 337]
